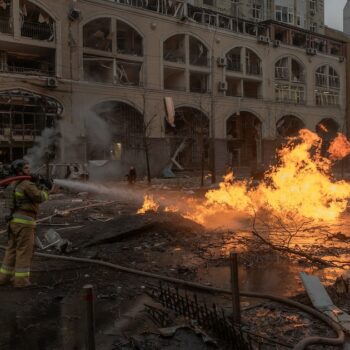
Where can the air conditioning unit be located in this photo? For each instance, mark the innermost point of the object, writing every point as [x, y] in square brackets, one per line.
[222, 86]
[51, 82]
[263, 39]
[276, 43]
[341, 59]
[222, 61]
[311, 52]
[74, 14]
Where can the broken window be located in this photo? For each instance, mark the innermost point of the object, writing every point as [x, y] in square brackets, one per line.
[243, 132]
[129, 41]
[110, 68]
[34, 62]
[174, 79]
[98, 69]
[253, 63]
[23, 117]
[290, 93]
[234, 60]
[326, 76]
[281, 34]
[198, 82]
[327, 86]
[289, 126]
[233, 87]
[292, 73]
[174, 49]
[97, 34]
[251, 89]
[35, 22]
[198, 52]
[6, 16]
[282, 69]
[189, 138]
[126, 126]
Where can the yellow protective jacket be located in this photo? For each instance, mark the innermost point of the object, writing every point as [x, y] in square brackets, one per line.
[27, 199]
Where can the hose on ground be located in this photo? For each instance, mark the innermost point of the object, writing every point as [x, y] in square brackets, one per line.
[339, 340]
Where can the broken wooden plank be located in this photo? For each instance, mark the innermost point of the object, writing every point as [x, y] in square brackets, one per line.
[121, 228]
[322, 302]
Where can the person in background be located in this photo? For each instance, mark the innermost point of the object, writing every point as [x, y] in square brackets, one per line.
[131, 176]
[16, 265]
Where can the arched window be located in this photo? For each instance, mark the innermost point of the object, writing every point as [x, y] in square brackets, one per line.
[35, 22]
[23, 117]
[178, 63]
[243, 133]
[189, 138]
[290, 81]
[289, 126]
[125, 132]
[327, 84]
[241, 65]
[123, 64]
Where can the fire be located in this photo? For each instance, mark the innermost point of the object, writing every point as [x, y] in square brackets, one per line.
[300, 185]
[148, 205]
[339, 147]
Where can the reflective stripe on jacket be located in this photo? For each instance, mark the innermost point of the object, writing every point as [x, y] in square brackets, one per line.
[28, 197]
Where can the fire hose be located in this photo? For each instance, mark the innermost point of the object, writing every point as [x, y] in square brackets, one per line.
[14, 178]
[339, 340]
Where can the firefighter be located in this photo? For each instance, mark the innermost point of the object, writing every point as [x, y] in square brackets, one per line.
[21, 228]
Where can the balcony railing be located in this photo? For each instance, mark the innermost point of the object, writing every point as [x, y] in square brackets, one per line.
[38, 31]
[253, 69]
[26, 70]
[282, 73]
[234, 66]
[173, 56]
[202, 61]
[6, 25]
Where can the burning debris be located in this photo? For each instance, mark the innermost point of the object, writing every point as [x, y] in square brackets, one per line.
[301, 183]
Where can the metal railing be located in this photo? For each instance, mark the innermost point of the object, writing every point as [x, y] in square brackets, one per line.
[25, 70]
[234, 66]
[135, 51]
[172, 56]
[6, 25]
[282, 73]
[38, 31]
[253, 69]
[196, 60]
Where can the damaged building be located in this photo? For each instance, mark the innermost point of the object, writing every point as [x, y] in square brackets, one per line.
[238, 86]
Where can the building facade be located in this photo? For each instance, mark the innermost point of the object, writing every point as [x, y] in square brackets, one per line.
[237, 88]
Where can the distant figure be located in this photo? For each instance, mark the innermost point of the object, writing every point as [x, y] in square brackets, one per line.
[131, 176]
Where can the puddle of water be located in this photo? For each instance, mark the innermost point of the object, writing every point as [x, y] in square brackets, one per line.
[278, 278]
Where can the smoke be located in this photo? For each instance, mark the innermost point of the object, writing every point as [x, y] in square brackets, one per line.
[88, 128]
[44, 148]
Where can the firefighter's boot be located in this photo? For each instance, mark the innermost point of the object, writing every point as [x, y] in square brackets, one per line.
[4, 279]
[22, 282]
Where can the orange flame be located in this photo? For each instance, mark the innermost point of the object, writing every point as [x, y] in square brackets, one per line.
[148, 205]
[339, 147]
[300, 185]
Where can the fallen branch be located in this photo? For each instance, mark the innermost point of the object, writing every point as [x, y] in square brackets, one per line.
[292, 251]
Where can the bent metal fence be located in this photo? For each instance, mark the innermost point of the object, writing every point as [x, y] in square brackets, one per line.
[211, 318]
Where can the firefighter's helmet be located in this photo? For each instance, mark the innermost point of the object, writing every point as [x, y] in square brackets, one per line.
[17, 166]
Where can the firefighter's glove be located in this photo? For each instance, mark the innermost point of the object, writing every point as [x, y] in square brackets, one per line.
[48, 183]
[36, 178]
